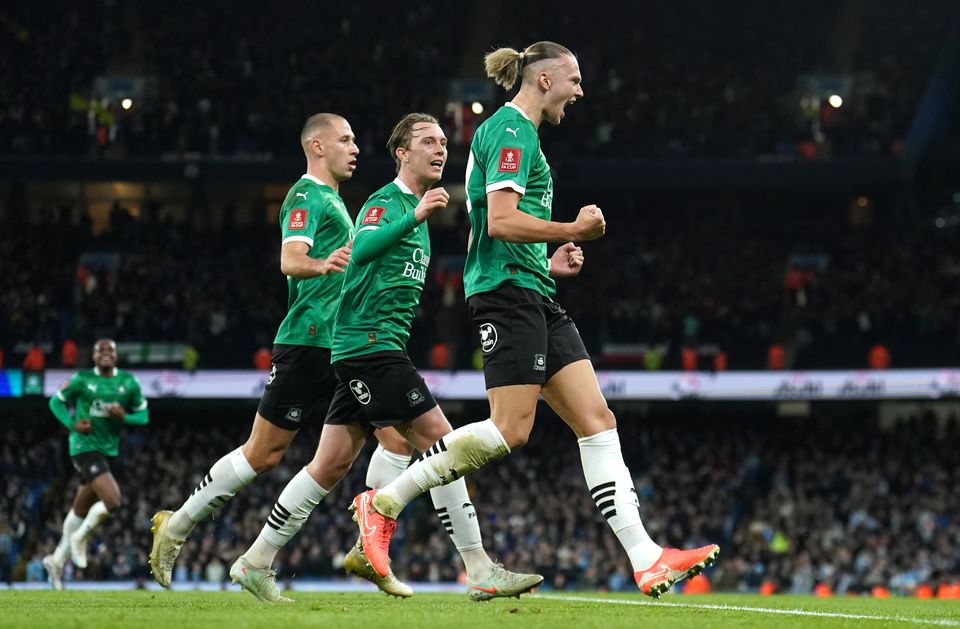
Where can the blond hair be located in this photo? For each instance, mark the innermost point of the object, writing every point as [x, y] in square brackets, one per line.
[504, 65]
[402, 133]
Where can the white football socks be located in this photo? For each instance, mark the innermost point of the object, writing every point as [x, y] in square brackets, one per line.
[611, 488]
[295, 504]
[457, 454]
[95, 517]
[459, 518]
[227, 476]
[70, 524]
[385, 466]
[452, 504]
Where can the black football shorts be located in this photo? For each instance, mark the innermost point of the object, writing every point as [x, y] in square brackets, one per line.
[525, 337]
[89, 465]
[379, 389]
[300, 386]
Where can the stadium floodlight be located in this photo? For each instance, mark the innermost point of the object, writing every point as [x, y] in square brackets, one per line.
[835, 101]
[477, 107]
[127, 104]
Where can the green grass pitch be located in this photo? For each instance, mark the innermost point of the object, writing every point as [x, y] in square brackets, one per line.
[180, 610]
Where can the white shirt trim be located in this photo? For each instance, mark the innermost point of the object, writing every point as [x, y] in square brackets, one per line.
[403, 187]
[363, 229]
[522, 112]
[500, 185]
[315, 180]
[141, 407]
[305, 239]
[61, 397]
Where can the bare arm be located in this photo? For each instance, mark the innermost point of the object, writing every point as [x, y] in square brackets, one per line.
[507, 223]
[295, 262]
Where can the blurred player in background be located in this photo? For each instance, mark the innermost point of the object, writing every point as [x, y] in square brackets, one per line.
[104, 399]
[530, 346]
[379, 387]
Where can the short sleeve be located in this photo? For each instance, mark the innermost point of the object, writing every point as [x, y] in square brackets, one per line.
[70, 390]
[135, 400]
[506, 155]
[299, 221]
[377, 212]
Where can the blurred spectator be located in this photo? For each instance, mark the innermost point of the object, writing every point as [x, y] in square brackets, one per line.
[720, 361]
[34, 360]
[776, 357]
[440, 356]
[262, 359]
[191, 358]
[35, 572]
[68, 354]
[879, 357]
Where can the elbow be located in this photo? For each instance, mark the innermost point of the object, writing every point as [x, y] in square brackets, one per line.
[495, 230]
[359, 258]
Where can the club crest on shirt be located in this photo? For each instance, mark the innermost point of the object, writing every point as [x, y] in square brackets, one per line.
[373, 215]
[509, 160]
[298, 219]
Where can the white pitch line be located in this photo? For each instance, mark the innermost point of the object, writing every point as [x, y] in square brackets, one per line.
[942, 622]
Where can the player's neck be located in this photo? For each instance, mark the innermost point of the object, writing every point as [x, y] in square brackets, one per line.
[529, 105]
[106, 372]
[417, 186]
[325, 176]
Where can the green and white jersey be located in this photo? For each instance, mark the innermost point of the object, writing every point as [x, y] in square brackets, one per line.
[313, 213]
[505, 154]
[90, 394]
[383, 283]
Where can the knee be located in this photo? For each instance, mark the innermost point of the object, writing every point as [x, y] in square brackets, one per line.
[269, 461]
[394, 442]
[327, 473]
[595, 422]
[113, 503]
[263, 460]
[515, 432]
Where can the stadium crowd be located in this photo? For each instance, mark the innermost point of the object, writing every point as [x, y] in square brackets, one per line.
[835, 500]
[829, 290]
[217, 80]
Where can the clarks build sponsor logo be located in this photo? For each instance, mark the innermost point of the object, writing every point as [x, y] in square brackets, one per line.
[416, 267]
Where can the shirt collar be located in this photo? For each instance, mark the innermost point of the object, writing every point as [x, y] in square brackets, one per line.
[403, 187]
[522, 112]
[315, 180]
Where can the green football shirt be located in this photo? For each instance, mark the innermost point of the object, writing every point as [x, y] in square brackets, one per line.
[313, 213]
[505, 154]
[388, 266]
[90, 394]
